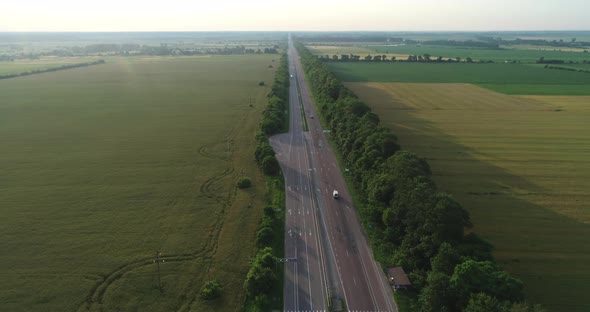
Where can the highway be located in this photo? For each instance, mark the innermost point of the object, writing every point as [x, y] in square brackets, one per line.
[329, 256]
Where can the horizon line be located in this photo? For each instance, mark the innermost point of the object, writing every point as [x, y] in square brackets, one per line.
[361, 30]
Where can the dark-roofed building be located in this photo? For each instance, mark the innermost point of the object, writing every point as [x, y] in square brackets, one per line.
[398, 278]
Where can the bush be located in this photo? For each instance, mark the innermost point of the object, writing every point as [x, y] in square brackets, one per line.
[244, 182]
[264, 236]
[211, 290]
[261, 83]
[260, 277]
[270, 165]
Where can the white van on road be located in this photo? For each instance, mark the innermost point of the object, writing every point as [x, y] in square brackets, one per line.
[335, 194]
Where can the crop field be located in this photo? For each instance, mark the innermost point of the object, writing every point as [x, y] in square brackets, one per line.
[496, 55]
[103, 166]
[574, 66]
[505, 78]
[346, 49]
[519, 164]
[543, 48]
[20, 66]
[524, 54]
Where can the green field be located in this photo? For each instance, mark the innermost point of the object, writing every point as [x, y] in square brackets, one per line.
[104, 165]
[496, 55]
[523, 54]
[574, 66]
[20, 66]
[505, 78]
[519, 165]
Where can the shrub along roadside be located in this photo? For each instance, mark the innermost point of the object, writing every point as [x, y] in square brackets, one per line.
[410, 222]
[264, 281]
[273, 117]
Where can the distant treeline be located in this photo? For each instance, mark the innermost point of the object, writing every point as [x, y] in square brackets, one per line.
[425, 58]
[568, 69]
[262, 276]
[467, 43]
[52, 69]
[542, 60]
[411, 223]
[485, 42]
[572, 43]
[136, 49]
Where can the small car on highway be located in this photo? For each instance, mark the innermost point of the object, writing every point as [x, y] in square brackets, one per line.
[335, 194]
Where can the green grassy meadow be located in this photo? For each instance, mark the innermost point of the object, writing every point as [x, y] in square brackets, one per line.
[496, 55]
[505, 78]
[518, 164]
[20, 66]
[104, 165]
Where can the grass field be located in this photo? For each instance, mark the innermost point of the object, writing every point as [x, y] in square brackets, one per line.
[574, 66]
[519, 53]
[20, 66]
[505, 78]
[496, 55]
[346, 49]
[105, 165]
[519, 165]
[543, 48]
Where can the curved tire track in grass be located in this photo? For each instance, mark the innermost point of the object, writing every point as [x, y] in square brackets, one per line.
[95, 297]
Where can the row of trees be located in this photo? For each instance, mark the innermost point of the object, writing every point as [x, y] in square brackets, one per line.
[261, 277]
[465, 44]
[425, 58]
[136, 49]
[411, 223]
[274, 116]
[568, 69]
[51, 69]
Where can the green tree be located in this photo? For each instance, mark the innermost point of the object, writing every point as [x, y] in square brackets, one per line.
[264, 236]
[270, 165]
[269, 211]
[211, 290]
[437, 295]
[482, 302]
[259, 280]
[244, 182]
[472, 277]
[262, 151]
[447, 218]
[446, 259]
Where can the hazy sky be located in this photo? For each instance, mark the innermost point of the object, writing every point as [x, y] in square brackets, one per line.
[197, 15]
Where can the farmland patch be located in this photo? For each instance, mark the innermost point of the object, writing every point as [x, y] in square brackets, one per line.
[105, 165]
[518, 164]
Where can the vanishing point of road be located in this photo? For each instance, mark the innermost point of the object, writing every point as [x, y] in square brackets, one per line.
[329, 259]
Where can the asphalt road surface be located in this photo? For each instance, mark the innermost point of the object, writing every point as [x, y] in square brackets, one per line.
[329, 260]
